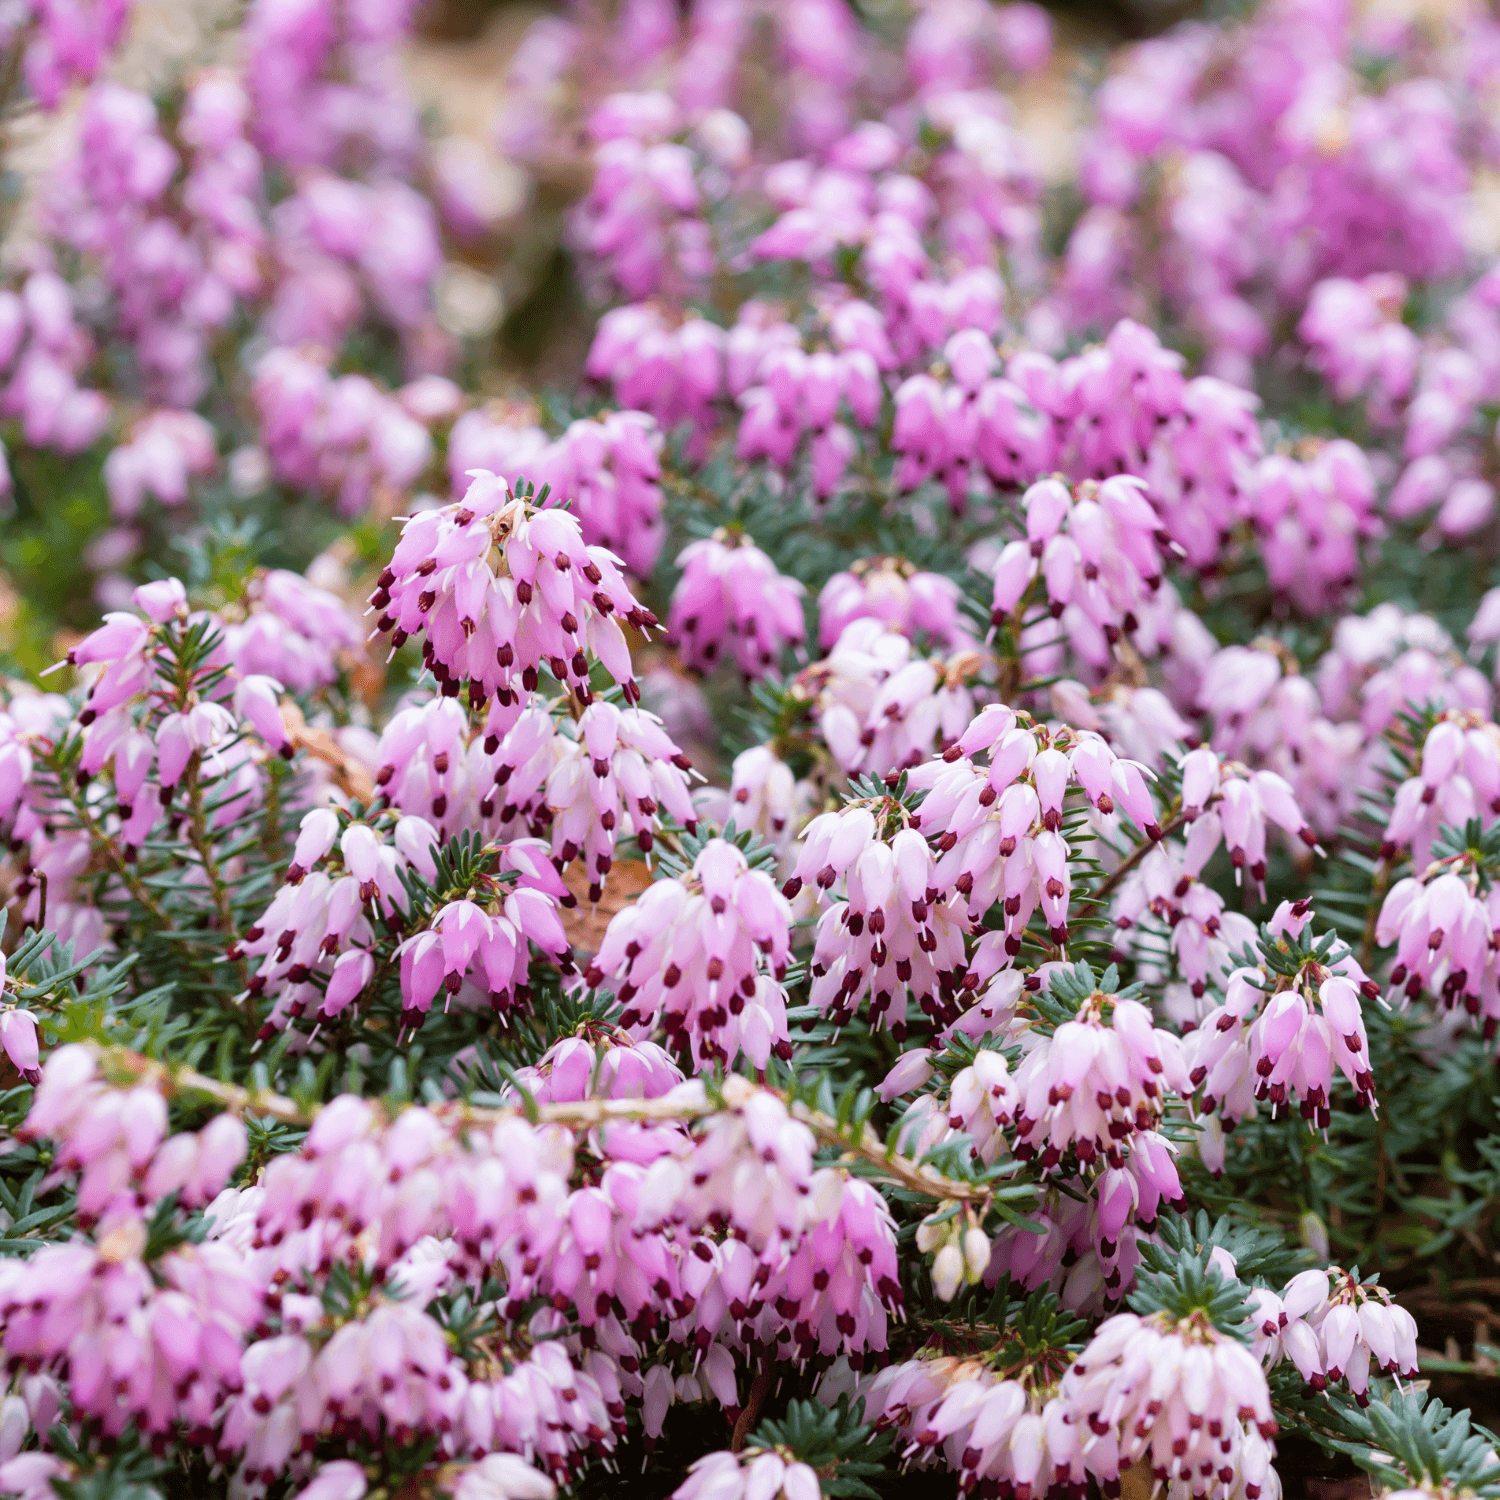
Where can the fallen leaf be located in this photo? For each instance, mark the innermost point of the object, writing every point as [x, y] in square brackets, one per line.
[1136, 1482]
[352, 778]
[1356, 1488]
[585, 923]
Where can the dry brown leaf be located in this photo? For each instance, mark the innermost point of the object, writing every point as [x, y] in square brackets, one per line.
[1357, 1487]
[585, 923]
[1136, 1482]
[367, 678]
[352, 778]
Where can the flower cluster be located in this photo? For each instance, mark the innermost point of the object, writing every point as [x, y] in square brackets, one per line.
[1086, 1089]
[989, 1428]
[995, 805]
[1352, 174]
[43, 351]
[703, 959]
[62, 44]
[176, 256]
[1180, 1396]
[422, 1198]
[341, 436]
[611, 774]
[1334, 1327]
[607, 469]
[418, 1077]
[1457, 777]
[1442, 927]
[1286, 1023]
[1096, 551]
[733, 1476]
[730, 593]
[882, 704]
[902, 598]
[498, 588]
[887, 934]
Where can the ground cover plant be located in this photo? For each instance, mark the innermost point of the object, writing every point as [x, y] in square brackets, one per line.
[858, 857]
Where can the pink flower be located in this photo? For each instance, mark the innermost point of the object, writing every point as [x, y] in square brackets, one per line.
[891, 590]
[751, 1475]
[18, 1037]
[1139, 1384]
[1458, 779]
[986, 1426]
[498, 588]
[703, 959]
[1000, 822]
[1277, 1040]
[730, 591]
[339, 1480]
[882, 704]
[486, 943]
[884, 936]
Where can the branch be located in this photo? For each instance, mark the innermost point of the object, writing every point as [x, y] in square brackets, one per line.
[900, 1170]
[687, 1102]
[104, 848]
[1378, 886]
[759, 1389]
[202, 844]
[1136, 855]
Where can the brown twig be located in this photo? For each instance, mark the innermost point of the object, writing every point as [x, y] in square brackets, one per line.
[1372, 916]
[197, 825]
[684, 1103]
[760, 1388]
[1136, 855]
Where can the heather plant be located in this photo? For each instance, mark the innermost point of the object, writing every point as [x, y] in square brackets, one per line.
[884, 877]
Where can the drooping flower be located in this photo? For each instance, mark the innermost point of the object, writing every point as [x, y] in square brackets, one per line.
[703, 958]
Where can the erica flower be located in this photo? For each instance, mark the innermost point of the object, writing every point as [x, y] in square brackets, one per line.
[1201, 935]
[1443, 928]
[615, 777]
[1285, 1025]
[606, 470]
[673, 373]
[293, 630]
[433, 765]
[1244, 804]
[825, 1241]
[498, 1476]
[321, 922]
[342, 436]
[1312, 517]
[885, 933]
[1090, 1086]
[1097, 550]
[766, 797]
[604, 1062]
[703, 957]
[116, 1140]
[990, 1428]
[736, 1476]
[998, 826]
[1333, 1327]
[1457, 778]
[891, 590]
[730, 594]
[881, 705]
[484, 938]
[499, 588]
[1177, 1394]
[18, 1037]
